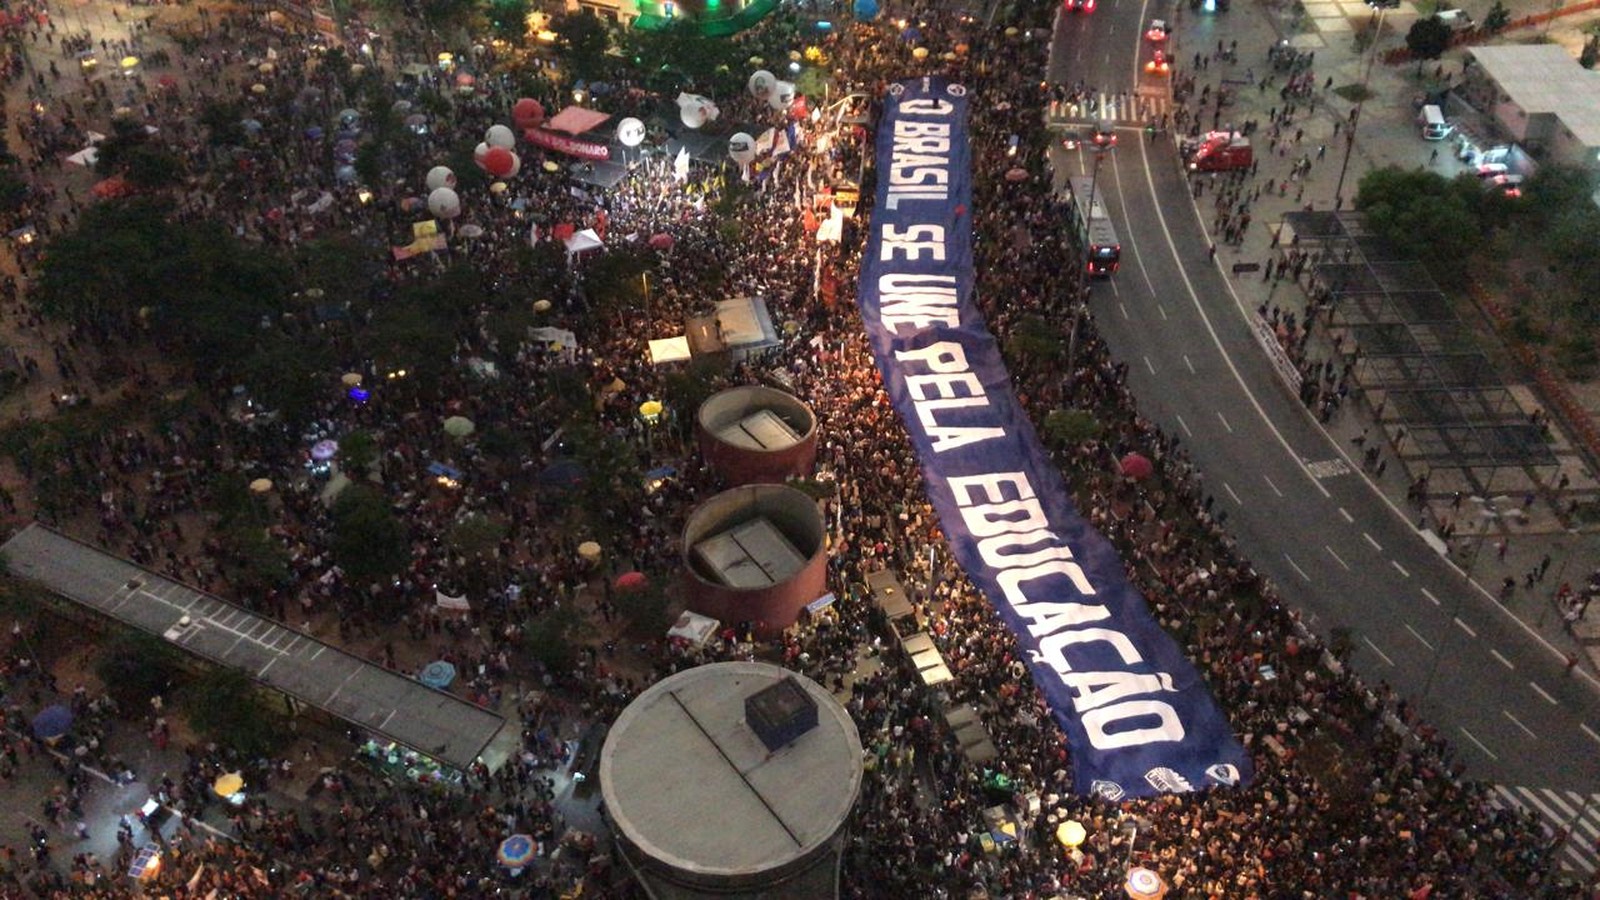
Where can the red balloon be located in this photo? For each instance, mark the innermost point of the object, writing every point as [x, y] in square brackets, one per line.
[527, 112]
[499, 162]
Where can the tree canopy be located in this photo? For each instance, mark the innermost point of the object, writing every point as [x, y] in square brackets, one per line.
[1425, 216]
[1428, 38]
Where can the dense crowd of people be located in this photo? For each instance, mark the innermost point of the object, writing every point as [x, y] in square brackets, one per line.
[1320, 820]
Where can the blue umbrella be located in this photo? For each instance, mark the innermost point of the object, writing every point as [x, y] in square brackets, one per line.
[52, 722]
[515, 851]
[437, 674]
[866, 9]
[563, 472]
[314, 132]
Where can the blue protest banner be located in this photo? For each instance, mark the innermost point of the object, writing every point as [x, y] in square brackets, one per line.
[1139, 720]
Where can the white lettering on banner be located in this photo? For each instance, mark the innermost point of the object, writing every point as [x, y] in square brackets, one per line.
[919, 161]
[1096, 720]
[911, 243]
[946, 358]
[1002, 511]
[918, 301]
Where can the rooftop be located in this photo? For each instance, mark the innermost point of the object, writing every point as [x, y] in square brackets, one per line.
[387, 703]
[1545, 78]
[687, 782]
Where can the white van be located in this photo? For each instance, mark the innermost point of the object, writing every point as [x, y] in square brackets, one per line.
[1434, 127]
[1457, 19]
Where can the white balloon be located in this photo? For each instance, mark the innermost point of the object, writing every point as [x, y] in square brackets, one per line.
[761, 83]
[441, 176]
[630, 132]
[500, 136]
[782, 96]
[742, 148]
[516, 166]
[478, 153]
[444, 203]
[696, 110]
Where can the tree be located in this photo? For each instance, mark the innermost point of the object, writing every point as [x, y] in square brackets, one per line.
[1066, 428]
[134, 667]
[224, 706]
[583, 41]
[130, 152]
[369, 541]
[549, 639]
[1035, 340]
[1428, 39]
[1591, 52]
[358, 452]
[508, 19]
[1497, 18]
[1423, 216]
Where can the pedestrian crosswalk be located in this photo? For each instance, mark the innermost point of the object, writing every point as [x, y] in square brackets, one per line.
[1576, 812]
[1123, 108]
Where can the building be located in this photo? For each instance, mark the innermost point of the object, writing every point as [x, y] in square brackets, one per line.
[753, 433]
[732, 780]
[756, 554]
[1543, 99]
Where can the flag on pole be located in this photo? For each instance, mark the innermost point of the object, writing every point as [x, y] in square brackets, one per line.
[680, 165]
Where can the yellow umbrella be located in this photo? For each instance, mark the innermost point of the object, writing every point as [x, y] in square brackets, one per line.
[589, 550]
[541, 305]
[650, 410]
[459, 426]
[258, 89]
[129, 62]
[261, 485]
[499, 187]
[228, 785]
[1071, 833]
[551, 165]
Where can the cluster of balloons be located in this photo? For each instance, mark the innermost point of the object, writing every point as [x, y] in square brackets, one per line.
[764, 85]
[495, 155]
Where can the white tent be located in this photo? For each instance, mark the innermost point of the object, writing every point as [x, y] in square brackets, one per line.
[693, 628]
[560, 337]
[668, 350]
[582, 242]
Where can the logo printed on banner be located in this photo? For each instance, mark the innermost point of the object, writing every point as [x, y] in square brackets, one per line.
[1138, 718]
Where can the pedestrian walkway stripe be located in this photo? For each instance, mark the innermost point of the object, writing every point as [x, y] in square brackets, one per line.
[1557, 809]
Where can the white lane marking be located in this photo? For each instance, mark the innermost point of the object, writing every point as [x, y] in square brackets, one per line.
[1465, 627]
[1337, 558]
[1429, 594]
[1346, 514]
[1419, 637]
[1381, 655]
[1543, 693]
[1297, 567]
[1503, 661]
[1590, 732]
[1194, 299]
[1185, 426]
[1124, 308]
[1229, 488]
[1188, 362]
[1375, 545]
[1403, 572]
[1273, 486]
[1472, 738]
[1163, 310]
[1224, 421]
[1517, 722]
[1149, 365]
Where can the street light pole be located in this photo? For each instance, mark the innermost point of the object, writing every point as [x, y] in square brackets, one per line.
[1355, 116]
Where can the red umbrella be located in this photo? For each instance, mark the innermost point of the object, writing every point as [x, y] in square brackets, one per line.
[1017, 174]
[1136, 466]
[631, 581]
[115, 186]
[661, 241]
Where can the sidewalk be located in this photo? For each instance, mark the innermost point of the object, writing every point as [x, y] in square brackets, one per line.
[1386, 135]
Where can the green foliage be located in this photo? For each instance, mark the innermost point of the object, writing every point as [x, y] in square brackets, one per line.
[1428, 38]
[358, 452]
[369, 163]
[645, 609]
[284, 374]
[549, 639]
[583, 42]
[1591, 52]
[255, 561]
[476, 535]
[1035, 339]
[1424, 216]
[224, 706]
[369, 541]
[508, 19]
[342, 266]
[134, 666]
[1066, 428]
[1497, 18]
[614, 282]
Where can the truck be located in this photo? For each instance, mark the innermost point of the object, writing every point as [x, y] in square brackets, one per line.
[1218, 151]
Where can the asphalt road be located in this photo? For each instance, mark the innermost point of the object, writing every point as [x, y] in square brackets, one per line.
[1338, 551]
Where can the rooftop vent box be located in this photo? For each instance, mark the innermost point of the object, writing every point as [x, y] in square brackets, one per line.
[780, 714]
